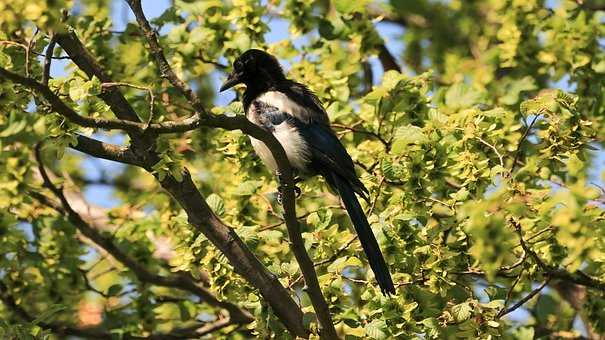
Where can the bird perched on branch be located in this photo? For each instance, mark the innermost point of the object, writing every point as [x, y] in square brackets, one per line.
[298, 121]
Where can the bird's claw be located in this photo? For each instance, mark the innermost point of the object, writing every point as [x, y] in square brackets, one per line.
[280, 193]
[282, 187]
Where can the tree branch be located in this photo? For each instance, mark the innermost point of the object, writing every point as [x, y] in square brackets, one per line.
[578, 277]
[58, 328]
[387, 60]
[192, 332]
[197, 331]
[101, 123]
[297, 243]
[526, 298]
[363, 131]
[48, 56]
[60, 107]
[185, 192]
[199, 213]
[87, 63]
[173, 281]
[157, 53]
[107, 151]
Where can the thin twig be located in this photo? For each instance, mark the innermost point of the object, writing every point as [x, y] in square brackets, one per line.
[30, 44]
[89, 285]
[201, 58]
[514, 265]
[362, 131]
[484, 142]
[14, 43]
[509, 294]
[338, 252]
[24, 47]
[577, 277]
[493, 148]
[378, 192]
[50, 49]
[523, 137]
[528, 297]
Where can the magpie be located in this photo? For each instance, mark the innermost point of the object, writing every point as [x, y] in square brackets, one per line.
[298, 121]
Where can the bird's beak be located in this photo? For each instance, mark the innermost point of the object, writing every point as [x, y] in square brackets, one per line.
[232, 80]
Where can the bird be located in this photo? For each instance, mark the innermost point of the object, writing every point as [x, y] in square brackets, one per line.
[295, 116]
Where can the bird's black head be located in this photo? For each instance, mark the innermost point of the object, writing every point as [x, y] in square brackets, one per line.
[256, 69]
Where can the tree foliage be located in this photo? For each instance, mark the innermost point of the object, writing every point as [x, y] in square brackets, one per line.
[477, 143]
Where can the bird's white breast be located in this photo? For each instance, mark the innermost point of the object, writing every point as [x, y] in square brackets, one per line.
[287, 134]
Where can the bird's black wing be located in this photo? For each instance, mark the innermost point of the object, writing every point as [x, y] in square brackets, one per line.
[326, 151]
[329, 155]
[304, 97]
[329, 158]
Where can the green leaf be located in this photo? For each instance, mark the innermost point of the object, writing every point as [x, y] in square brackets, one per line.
[247, 188]
[346, 6]
[515, 88]
[461, 95]
[462, 312]
[407, 135]
[13, 128]
[376, 329]
[359, 332]
[94, 86]
[216, 203]
[5, 60]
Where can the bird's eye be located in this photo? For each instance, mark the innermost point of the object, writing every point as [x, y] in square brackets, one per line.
[239, 64]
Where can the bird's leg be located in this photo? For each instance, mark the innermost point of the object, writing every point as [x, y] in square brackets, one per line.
[282, 187]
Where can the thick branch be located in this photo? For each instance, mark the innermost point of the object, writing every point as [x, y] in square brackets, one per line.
[107, 151]
[191, 200]
[297, 243]
[387, 60]
[227, 241]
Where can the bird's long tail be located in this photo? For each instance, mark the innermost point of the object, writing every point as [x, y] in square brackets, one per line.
[366, 237]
